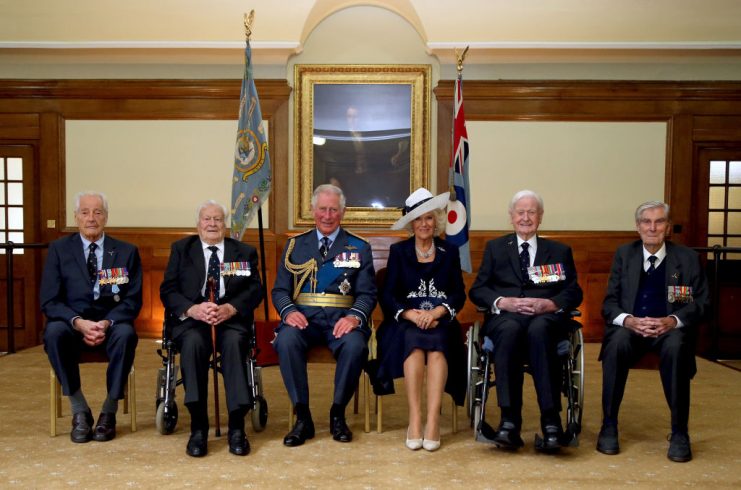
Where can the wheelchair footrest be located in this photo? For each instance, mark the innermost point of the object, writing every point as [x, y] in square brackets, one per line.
[485, 433]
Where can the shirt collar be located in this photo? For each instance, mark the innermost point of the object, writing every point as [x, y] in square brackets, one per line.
[219, 245]
[533, 242]
[86, 243]
[660, 254]
[332, 236]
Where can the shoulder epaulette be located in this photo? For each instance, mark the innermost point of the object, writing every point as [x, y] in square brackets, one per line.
[304, 233]
[357, 236]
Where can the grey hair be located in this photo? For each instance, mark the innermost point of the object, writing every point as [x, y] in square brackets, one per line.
[328, 189]
[208, 204]
[523, 194]
[441, 218]
[651, 205]
[97, 194]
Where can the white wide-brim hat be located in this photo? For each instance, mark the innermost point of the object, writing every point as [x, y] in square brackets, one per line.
[418, 203]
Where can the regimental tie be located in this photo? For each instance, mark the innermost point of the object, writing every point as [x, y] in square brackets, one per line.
[652, 267]
[213, 271]
[524, 260]
[324, 249]
[92, 263]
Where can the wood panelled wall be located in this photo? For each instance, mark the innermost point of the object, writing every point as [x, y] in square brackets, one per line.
[33, 112]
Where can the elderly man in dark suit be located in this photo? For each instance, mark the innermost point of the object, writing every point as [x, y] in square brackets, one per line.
[528, 286]
[185, 293]
[656, 296]
[91, 292]
[324, 293]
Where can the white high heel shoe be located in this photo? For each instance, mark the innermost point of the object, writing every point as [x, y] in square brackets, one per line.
[414, 444]
[431, 445]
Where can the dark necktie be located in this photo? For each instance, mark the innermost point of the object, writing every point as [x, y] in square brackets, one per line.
[524, 260]
[213, 271]
[92, 263]
[652, 267]
[324, 249]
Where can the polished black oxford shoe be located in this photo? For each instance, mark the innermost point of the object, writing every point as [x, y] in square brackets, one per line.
[82, 427]
[679, 448]
[508, 436]
[238, 443]
[197, 444]
[339, 429]
[302, 430]
[607, 441]
[105, 429]
[551, 441]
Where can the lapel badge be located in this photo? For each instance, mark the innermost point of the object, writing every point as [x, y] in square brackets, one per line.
[675, 275]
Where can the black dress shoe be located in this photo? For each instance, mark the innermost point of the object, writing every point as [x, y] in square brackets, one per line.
[679, 448]
[339, 429]
[82, 427]
[607, 441]
[105, 429]
[238, 443]
[508, 436]
[197, 444]
[302, 430]
[551, 441]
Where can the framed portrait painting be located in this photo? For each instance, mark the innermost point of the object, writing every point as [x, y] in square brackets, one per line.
[364, 128]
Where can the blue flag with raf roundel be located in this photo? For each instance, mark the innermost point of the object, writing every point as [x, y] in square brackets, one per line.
[251, 181]
[459, 206]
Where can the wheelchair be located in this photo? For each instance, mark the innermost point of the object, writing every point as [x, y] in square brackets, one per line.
[481, 379]
[166, 416]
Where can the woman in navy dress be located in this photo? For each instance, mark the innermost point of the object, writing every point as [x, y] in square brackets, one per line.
[422, 293]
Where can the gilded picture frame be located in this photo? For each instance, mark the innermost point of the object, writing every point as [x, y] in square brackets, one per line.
[366, 129]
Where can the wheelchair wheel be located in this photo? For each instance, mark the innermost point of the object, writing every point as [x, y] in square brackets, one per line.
[166, 422]
[576, 381]
[259, 414]
[473, 371]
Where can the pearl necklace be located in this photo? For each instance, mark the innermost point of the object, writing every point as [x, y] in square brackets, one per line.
[426, 255]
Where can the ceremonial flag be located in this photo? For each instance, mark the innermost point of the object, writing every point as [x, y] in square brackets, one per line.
[251, 181]
[459, 206]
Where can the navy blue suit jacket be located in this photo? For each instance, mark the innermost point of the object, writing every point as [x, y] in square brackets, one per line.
[66, 291]
[682, 269]
[500, 275]
[186, 274]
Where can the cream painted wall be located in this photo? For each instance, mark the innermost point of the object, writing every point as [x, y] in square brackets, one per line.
[591, 175]
[155, 173]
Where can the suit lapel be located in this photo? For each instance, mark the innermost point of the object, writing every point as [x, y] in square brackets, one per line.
[634, 269]
[196, 256]
[230, 255]
[79, 254]
[543, 253]
[109, 253]
[673, 268]
[514, 255]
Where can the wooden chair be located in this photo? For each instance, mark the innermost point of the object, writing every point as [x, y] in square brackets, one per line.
[321, 354]
[129, 404]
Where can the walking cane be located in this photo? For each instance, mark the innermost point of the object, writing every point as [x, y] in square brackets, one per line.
[211, 286]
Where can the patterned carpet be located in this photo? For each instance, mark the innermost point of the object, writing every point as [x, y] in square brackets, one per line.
[29, 458]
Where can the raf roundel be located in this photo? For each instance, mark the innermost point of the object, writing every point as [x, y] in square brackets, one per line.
[456, 217]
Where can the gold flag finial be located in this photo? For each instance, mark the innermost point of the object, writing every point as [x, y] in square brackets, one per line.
[248, 20]
[460, 57]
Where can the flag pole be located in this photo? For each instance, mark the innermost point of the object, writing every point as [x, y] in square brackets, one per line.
[248, 20]
[460, 57]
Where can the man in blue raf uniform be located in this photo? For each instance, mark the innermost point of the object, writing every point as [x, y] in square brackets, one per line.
[325, 292]
[528, 285]
[91, 292]
[656, 296]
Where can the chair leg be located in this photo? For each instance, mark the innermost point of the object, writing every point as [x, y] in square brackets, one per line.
[54, 403]
[131, 393]
[379, 414]
[366, 401]
[454, 412]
